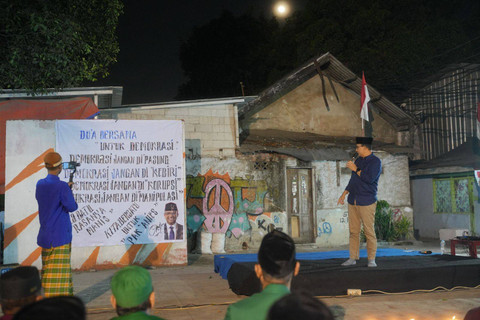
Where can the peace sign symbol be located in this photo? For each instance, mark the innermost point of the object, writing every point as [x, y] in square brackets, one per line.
[215, 215]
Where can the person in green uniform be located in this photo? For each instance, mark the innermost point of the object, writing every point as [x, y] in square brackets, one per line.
[275, 269]
[299, 306]
[132, 294]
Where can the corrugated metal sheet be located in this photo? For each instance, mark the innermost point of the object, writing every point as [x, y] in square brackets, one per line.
[447, 110]
[104, 97]
[338, 72]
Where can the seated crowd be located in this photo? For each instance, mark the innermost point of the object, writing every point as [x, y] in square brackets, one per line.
[133, 296]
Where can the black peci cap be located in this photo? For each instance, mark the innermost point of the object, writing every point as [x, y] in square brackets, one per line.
[276, 255]
[19, 283]
[171, 207]
[364, 140]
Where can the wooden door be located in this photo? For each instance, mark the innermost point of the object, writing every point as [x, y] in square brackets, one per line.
[300, 204]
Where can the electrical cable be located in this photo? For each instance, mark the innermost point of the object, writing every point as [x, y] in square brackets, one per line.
[198, 306]
[405, 292]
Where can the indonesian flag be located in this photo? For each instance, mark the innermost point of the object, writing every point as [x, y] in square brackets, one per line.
[478, 120]
[477, 176]
[365, 100]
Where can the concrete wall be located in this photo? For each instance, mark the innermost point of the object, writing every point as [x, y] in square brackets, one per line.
[428, 223]
[303, 110]
[27, 143]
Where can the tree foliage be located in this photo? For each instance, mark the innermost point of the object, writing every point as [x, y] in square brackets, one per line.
[56, 43]
[395, 42]
[223, 53]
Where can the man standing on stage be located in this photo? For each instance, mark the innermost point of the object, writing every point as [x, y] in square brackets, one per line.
[362, 200]
[55, 201]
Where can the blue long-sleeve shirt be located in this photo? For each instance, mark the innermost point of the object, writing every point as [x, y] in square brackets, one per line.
[363, 189]
[55, 201]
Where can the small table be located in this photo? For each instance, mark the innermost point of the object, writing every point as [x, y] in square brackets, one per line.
[472, 246]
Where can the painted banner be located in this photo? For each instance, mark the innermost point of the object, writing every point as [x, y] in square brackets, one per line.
[130, 183]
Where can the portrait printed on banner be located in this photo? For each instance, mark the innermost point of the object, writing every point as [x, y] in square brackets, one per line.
[171, 229]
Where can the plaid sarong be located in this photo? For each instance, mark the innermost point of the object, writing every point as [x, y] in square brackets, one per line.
[56, 271]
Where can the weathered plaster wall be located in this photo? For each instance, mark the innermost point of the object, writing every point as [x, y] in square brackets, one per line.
[331, 178]
[250, 197]
[394, 183]
[428, 223]
[27, 143]
[303, 110]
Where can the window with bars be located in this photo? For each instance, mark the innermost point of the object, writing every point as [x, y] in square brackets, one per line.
[453, 195]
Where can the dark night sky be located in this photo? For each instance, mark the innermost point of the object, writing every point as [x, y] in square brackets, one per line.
[150, 33]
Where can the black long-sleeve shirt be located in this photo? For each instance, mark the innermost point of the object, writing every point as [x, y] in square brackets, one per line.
[363, 189]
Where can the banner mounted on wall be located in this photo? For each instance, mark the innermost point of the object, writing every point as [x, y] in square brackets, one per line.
[129, 185]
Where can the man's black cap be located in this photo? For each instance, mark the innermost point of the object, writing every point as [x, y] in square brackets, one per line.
[276, 255]
[364, 140]
[19, 283]
[171, 207]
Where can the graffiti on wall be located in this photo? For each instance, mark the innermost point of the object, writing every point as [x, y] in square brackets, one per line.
[265, 222]
[217, 217]
[344, 218]
[220, 204]
[325, 228]
[397, 214]
[331, 222]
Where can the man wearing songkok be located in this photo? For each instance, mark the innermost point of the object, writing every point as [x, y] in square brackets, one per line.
[55, 201]
[132, 294]
[362, 200]
[275, 269]
[19, 287]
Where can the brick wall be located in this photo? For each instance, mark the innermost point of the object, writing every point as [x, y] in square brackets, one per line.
[211, 129]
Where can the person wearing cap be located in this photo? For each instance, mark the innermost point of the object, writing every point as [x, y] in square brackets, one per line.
[18, 288]
[55, 201]
[275, 269]
[362, 200]
[300, 306]
[172, 229]
[58, 308]
[132, 294]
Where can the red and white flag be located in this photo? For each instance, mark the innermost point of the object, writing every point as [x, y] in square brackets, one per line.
[478, 120]
[477, 176]
[365, 99]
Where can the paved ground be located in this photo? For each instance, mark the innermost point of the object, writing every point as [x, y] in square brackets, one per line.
[196, 292]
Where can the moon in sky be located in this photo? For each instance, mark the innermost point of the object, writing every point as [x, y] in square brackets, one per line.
[281, 9]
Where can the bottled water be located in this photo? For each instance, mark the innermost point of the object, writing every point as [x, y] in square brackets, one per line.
[442, 246]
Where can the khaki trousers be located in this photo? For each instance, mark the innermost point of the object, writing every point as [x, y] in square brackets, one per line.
[358, 215]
